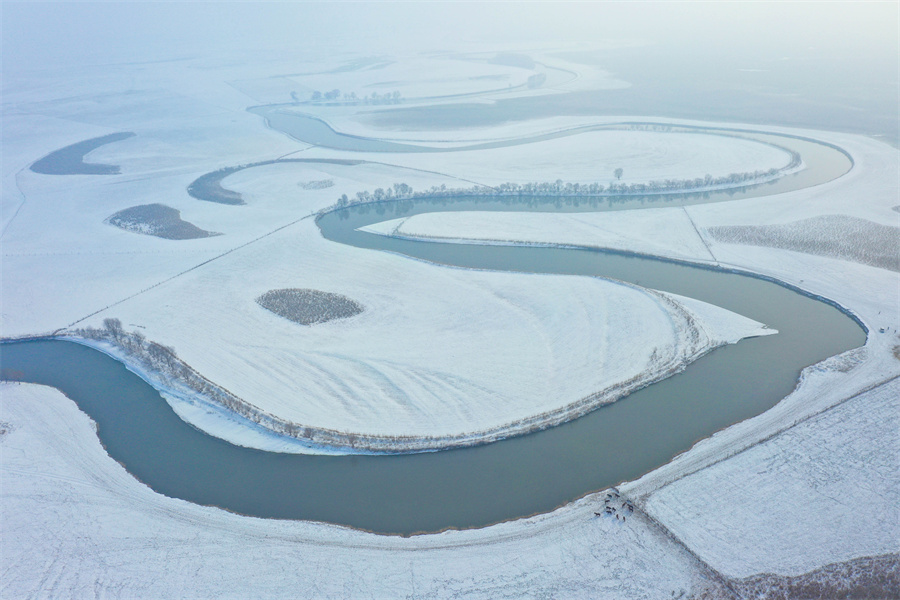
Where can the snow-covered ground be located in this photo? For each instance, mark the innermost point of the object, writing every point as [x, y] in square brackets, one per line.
[594, 156]
[418, 78]
[869, 191]
[820, 492]
[110, 535]
[512, 346]
[823, 491]
[652, 231]
[379, 373]
[75, 524]
[804, 498]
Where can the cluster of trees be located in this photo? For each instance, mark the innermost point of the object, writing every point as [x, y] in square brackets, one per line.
[163, 361]
[559, 188]
[335, 96]
[398, 191]
[156, 357]
[690, 185]
[537, 80]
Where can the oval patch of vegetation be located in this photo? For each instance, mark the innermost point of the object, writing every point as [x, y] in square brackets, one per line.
[309, 307]
[316, 185]
[158, 220]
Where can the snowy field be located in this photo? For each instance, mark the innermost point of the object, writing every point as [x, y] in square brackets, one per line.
[659, 231]
[114, 536]
[774, 497]
[511, 346]
[594, 156]
[418, 78]
[816, 457]
[823, 491]
[374, 374]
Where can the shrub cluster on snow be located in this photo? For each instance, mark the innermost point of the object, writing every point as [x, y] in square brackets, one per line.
[309, 307]
[320, 184]
[158, 220]
[869, 578]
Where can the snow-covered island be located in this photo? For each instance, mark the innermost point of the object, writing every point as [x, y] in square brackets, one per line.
[261, 331]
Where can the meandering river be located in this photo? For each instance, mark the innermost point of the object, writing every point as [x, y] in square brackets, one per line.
[475, 486]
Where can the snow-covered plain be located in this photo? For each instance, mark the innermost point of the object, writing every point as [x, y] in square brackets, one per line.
[419, 78]
[653, 231]
[517, 351]
[754, 498]
[511, 346]
[823, 491]
[112, 536]
[594, 156]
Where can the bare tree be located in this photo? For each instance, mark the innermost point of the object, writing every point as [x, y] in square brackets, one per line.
[114, 327]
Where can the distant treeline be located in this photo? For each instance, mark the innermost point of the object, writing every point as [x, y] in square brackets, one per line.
[336, 97]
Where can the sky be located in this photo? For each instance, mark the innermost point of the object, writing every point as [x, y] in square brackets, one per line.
[827, 65]
[48, 34]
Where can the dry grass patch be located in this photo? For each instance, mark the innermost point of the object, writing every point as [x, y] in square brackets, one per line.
[837, 236]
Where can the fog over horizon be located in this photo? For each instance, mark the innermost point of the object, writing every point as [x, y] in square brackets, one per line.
[835, 58]
[46, 34]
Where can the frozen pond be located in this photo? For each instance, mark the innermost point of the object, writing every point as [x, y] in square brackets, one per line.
[70, 160]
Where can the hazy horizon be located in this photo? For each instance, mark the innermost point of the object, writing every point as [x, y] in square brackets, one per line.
[40, 35]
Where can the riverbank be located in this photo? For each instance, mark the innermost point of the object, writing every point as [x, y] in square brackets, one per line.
[686, 330]
[687, 492]
[108, 527]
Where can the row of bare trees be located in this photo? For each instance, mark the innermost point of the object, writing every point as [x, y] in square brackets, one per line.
[163, 361]
[335, 96]
[401, 191]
